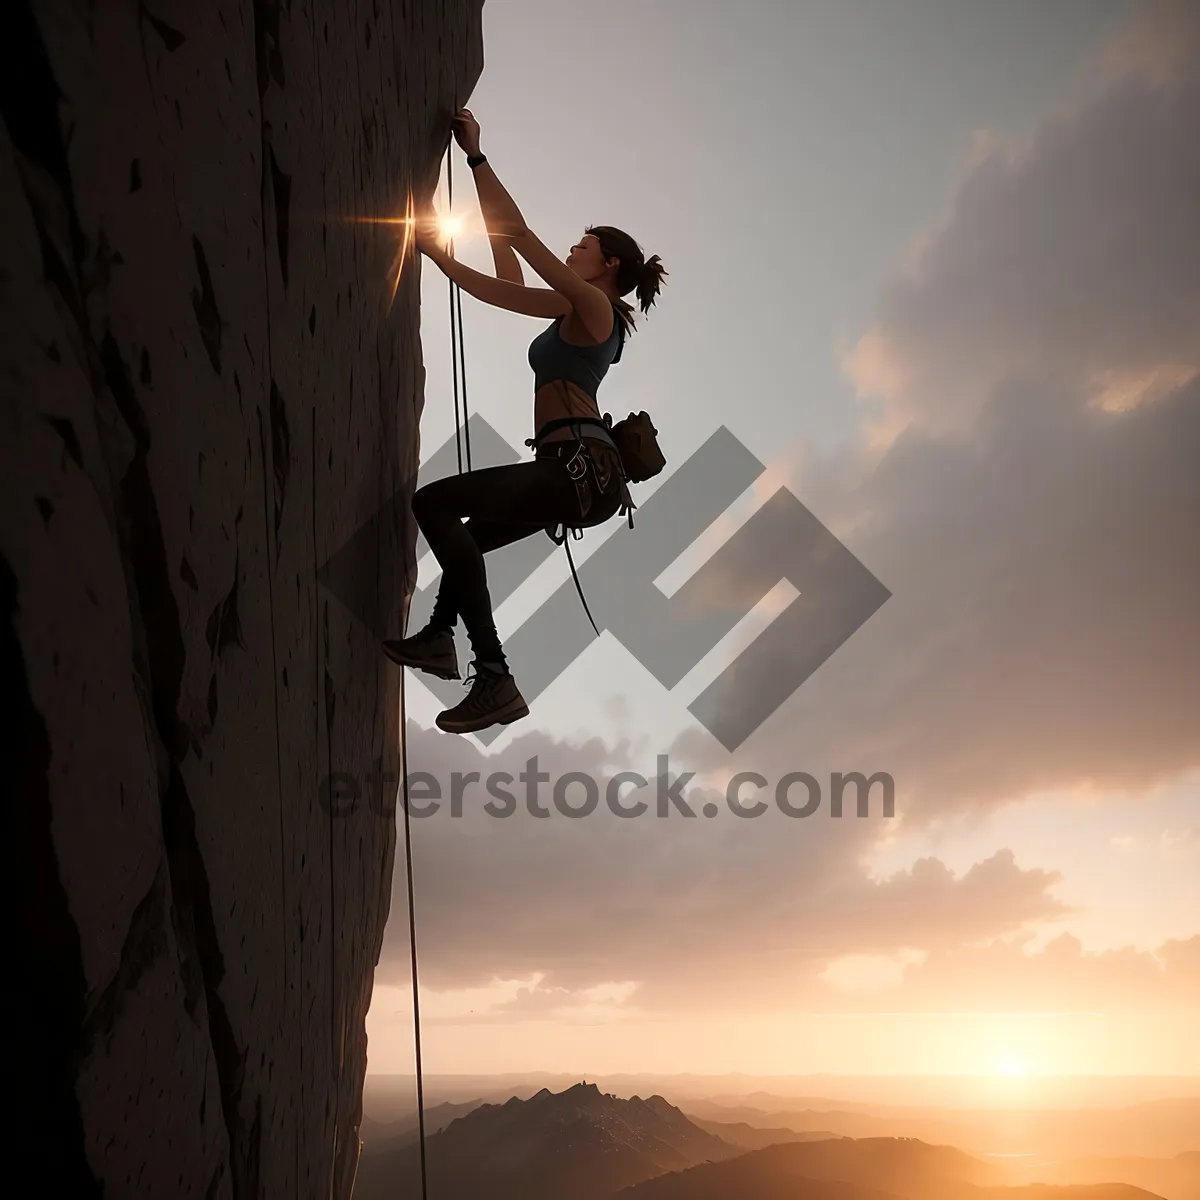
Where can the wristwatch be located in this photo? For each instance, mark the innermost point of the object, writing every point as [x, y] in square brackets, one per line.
[476, 160]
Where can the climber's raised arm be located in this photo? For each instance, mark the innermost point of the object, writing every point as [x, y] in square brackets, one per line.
[593, 307]
[533, 302]
[490, 194]
[508, 265]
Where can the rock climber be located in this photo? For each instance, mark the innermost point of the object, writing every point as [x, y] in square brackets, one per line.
[575, 479]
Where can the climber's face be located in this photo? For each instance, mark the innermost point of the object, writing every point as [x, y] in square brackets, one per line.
[586, 259]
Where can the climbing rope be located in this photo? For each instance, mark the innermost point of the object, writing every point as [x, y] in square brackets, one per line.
[412, 938]
[458, 359]
[462, 436]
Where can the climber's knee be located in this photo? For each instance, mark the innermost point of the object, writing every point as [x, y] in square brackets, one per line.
[427, 501]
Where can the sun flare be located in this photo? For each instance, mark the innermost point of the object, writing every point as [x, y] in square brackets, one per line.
[1012, 1066]
[450, 225]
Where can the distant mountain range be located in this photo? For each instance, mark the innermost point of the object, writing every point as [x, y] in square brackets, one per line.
[1176, 1178]
[874, 1166]
[584, 1144]
[580, 1143]
[1154, 1129]
[752, 1137]
[437, 1117]
[866, 1169]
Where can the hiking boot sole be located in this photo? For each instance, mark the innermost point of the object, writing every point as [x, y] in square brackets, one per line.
[442, 670]
[514, 710]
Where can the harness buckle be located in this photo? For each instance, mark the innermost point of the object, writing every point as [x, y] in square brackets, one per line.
[577, 463]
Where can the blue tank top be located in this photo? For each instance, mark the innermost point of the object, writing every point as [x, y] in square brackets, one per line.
[551, 358]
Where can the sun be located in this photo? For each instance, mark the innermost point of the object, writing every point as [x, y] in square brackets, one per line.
[1012, 1066]
[450, 226]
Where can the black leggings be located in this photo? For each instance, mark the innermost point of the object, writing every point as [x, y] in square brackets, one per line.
[500, 505]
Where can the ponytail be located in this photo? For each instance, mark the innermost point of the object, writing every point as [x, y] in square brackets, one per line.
[649, 282]
[635, 272]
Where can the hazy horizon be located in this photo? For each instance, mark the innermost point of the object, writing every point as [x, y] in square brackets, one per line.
[879, 1092]
[1097, 1130]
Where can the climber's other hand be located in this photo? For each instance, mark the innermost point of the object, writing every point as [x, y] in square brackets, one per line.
[427, 233]
[466, 131]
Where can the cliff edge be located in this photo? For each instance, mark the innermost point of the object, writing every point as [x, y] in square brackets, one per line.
[207, 395]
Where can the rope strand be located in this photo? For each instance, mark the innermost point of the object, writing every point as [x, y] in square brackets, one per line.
[454, 340]
[454, 330]
[412, 935]
[463, 376]
[462, 433]
[458, 353]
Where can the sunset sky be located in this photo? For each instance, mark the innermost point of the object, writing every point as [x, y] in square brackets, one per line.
[937, 264]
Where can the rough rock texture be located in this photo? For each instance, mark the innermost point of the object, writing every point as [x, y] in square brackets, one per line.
[205, 395]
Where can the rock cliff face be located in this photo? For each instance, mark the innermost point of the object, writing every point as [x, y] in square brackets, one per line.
[205, 396]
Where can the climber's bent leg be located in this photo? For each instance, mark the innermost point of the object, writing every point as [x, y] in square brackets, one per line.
[502, 505]
[488, 535]
[432, 649]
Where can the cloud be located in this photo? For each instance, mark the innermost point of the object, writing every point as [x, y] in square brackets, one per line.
[596, 920]
[1061, 977]
[1034, 510]
[868, 972]
[1041, 633]
[689, 910]
[1071, 262]
[534, 1001]
[1161, 43]
[1034, 515]
[1002, 974]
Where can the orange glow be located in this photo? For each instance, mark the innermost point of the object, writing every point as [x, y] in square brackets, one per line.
[406, 241]
[1012, 1066]
[450, 226]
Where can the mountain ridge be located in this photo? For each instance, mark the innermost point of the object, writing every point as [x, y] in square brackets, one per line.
[863, 1169]
[579, 1142]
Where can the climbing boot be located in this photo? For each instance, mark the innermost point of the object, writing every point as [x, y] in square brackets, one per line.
[492, 700]
[431, 650]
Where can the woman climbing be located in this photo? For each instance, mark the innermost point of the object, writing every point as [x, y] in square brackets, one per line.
[576, 478]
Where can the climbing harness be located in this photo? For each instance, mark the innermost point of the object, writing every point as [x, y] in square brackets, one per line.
[578, 465]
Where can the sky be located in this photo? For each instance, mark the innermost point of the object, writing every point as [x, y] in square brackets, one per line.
[937, 266]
